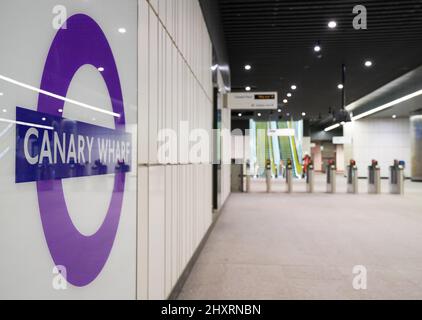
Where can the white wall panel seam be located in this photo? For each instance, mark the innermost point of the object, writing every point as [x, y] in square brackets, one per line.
[209, 97]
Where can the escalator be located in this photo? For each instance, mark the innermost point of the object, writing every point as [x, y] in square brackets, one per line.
[288, 149]
[285, 149]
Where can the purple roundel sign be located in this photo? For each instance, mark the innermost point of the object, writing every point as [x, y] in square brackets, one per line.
[82, 43]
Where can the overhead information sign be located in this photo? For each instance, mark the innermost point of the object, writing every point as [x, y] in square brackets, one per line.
[252, 100]
[341, 140]
[281, 133]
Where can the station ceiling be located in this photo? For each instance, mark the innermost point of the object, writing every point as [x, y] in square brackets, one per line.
[277, 38]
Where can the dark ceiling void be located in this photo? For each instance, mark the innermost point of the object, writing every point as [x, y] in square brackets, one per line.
[277, 38]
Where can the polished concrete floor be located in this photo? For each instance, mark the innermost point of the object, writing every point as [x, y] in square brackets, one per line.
[305, 246]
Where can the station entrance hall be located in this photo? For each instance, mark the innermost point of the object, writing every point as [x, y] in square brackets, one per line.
[191, 150]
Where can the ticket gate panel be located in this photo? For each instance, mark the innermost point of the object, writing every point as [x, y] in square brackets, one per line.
[310, 180]
[352, 179]
[374, 180]
[248, 183]
[331, 180]
[289, 179]
[268, 176]
[396, 180]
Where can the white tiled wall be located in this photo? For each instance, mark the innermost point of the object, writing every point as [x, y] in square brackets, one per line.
[175, 84]
[225, 125]
[380, 139]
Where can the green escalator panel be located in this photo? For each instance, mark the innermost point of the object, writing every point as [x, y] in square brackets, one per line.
[296, 160]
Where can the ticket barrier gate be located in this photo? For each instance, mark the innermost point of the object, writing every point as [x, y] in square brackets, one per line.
[248, 178]
[374, 178]
[352, 178]
[397, 178]
[289, 176]
[268, 175]
[310, 179]
[331, 177]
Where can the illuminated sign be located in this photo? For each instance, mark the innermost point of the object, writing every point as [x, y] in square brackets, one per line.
[264, 97]
[50, 148]
[252, 100]
[281, 132]
[342, 140]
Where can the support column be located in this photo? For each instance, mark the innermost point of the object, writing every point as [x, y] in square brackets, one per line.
[416, 145]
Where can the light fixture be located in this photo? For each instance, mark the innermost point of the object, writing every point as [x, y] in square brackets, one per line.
[122, 30]
[368, 63]
[289, 94]
[239, 114]
[248, 67]
[285, 101]
[259, 114]
[340, 86]
[27, 124]
[279, 110]
[4, 110]
[101, 69]
[387, 105]
[248, 88]
[332, 24]
[293, 87]
[303, 114]
[288, 114]
[43, 119]
[335, 126]
[60, 110]
[317, 48]
[394, 116]
[58, 97]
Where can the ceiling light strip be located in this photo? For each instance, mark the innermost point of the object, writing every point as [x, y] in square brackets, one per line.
[26, 124]
[53, 95]
[387, 105]
[380, 108]
[335, 126]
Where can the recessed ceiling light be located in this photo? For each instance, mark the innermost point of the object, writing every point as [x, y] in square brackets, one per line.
[289, 94]
[317, 48]
[368, 63]
[303, 114]
[122, 30]
[293, 87]
[248, 88]
[60, 110]
[248, 67]
[101, 69]
[239, 114]
[285, 101]
[340, 86]
[332, 24]
[279, 110]
[43, 119]
[394, 116]
[259, 114]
